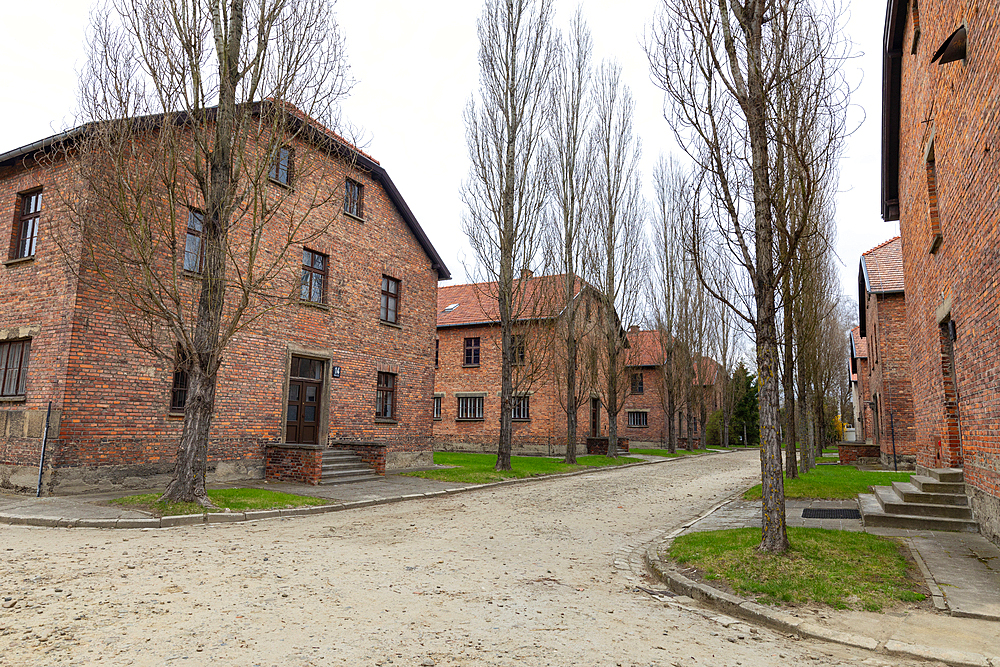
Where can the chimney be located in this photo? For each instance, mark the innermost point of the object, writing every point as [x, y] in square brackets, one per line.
[527, 273]
[634, 328]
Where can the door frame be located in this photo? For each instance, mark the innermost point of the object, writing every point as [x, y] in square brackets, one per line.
[326, 391]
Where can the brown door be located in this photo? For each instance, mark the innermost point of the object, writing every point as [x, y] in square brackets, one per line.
[595, 417]
[305, 390]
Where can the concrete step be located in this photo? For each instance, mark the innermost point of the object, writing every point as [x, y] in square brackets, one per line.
[927, 484]
[873, 515]
[340, 465]
[893, 504]
[954, 475]
[370, 476]
[911, 494]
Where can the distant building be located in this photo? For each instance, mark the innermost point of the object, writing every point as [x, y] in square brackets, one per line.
[860, 383]
[941, 181]
[882, 313]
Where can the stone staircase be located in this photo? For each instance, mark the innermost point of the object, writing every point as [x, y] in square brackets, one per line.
[342, 466]
[933, 499]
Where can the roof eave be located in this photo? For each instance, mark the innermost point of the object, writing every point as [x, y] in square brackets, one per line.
[892, 55]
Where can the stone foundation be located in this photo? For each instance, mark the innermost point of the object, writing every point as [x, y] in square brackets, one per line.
[986, 511]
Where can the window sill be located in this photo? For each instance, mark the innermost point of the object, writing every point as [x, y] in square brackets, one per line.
[392, 325]
[19, 260]
[175, 415]
[274, 181]
[13, 399]
[314, 304]
[520, 421]
[355, 217]
[470, 365]
[470, 419]
[437, 419]
[383, 420]
[637, 427]
[194, 275]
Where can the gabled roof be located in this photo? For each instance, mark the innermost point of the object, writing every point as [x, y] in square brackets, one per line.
[882, 267]
[319, 134]
[880, 271]
[859, 346]
[646, 350]
[476, 303]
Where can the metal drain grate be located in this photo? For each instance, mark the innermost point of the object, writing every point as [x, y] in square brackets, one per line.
[825, 513]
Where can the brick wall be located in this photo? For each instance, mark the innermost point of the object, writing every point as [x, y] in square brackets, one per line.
[293, 464]
[889, 376]
[956, 107]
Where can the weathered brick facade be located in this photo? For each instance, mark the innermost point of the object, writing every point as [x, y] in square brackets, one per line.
[883, 317]
[112, 425]
[941, 180]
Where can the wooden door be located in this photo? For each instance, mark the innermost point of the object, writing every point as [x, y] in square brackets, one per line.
[595, 417]
[305, 391]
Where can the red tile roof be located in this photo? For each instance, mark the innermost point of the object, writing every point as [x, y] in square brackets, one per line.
[860, 344]
[476, 303]
[883, 266]
[645, 349]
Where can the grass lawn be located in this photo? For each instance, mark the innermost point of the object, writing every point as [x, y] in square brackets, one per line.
[839, 568]
[665, 452]
[478, 468]
[236, 500]
[833, 482]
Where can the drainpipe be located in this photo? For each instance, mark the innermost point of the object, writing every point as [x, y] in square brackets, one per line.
[41, 460]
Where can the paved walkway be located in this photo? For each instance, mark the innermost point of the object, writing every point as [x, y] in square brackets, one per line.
[962, 569]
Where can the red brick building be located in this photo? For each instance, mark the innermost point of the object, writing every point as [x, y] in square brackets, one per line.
[348, 364]
[467, 383]
[860, 383]
[882, 306]
[941, 180]
[644, 419]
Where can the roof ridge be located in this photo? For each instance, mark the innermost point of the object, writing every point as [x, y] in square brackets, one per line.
[880, 245]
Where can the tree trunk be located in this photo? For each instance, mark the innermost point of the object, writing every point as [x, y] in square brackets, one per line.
[689, 444]
[671, 432]
[613, 400]
[571, 403]
[188, 483]
[788, 384]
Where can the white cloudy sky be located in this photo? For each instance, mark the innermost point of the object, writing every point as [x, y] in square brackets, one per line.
[415, 63]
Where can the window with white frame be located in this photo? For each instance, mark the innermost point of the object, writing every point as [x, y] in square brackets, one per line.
[638, 419]
[470, 407]
[520, 408]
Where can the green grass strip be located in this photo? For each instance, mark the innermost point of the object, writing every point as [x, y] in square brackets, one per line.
[842, 569]
[833, 482]
[478, 468]
[235, 500]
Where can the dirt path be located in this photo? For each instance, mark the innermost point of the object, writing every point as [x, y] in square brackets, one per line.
[523, 574]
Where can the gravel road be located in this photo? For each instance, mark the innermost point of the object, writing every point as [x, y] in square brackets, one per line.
[520, 574]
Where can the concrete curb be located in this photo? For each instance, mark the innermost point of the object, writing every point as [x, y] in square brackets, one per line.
[777, 620]
[238, 517]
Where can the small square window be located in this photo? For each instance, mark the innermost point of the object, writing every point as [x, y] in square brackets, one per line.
[25, 236]
[471, 352]
[282, 166]
[521, 408]
[179, 390]
[638, 420]
[314, 271]
[390, 300]
[385, 396]
[14, 367]
[354, 198]
[637, 386]
[470, 408]
[437, 407]
[194, 244]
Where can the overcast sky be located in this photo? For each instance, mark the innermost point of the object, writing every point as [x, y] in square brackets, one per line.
[415, 64]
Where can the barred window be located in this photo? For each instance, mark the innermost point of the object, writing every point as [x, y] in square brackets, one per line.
[637, 420]
[437, 407]
[14, 367]
[470, 407]
[179, 390]
[520, 408]
[385, 396]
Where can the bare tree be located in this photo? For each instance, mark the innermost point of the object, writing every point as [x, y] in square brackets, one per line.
[567, 238]
[505, 195]
[726, 68]
[617, 260]
[187, 106]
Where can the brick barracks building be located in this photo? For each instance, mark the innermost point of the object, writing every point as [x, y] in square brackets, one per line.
[941, 181]
[860, 383]
[347, 365]
[882, 312]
